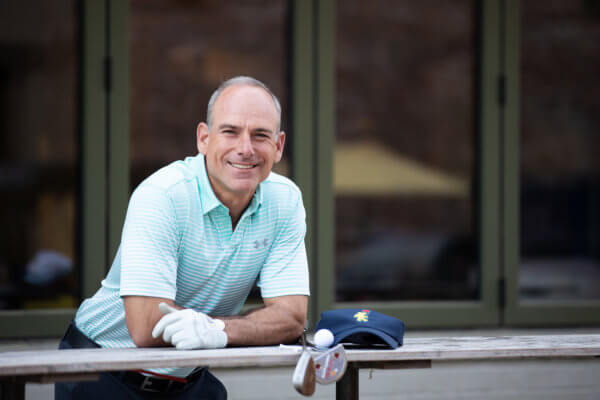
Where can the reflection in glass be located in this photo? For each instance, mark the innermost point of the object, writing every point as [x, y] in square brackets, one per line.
[405, 151]
[39, 154]
[560, 117]
[180, 52]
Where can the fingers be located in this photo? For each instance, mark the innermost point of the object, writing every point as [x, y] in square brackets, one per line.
[171, 314]
[173, 321]
[184, 342]
[209, 339]
[188, 329]
[175, 327]
[163, 323]
[179, 337]
[187, 344]
[158, 328]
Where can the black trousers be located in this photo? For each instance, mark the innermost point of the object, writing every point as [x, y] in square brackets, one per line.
[201, 384]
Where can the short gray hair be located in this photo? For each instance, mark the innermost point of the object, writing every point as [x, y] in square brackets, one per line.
[241, 81]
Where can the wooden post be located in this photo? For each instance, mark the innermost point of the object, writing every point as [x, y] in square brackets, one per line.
[12, 391]
[347, 387]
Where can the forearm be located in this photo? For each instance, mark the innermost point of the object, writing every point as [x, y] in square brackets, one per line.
[141, 315]
[280, 321]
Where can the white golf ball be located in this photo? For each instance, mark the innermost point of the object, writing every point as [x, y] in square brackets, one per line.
[323, 338]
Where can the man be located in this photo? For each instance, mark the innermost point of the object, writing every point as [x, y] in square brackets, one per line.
[197, 235]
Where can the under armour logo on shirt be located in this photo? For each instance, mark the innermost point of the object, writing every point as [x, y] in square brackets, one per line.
[261, 243]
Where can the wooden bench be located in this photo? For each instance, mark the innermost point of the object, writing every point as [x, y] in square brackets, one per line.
[48, 366]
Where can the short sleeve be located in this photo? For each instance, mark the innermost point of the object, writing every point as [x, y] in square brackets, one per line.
[149, 245]
[285, 271]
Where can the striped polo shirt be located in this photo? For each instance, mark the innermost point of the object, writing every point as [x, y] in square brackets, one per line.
[178, 243]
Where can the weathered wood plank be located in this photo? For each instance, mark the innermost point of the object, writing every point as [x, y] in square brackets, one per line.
[50, 378]
[451, 348]
[407, 364]
[477, 348]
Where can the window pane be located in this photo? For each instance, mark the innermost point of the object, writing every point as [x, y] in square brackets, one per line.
[560, 118]
[405, 151]
[39, 193]
[180, 52]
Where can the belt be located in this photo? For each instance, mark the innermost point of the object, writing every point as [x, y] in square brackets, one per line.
[152, 384]
[149, 383]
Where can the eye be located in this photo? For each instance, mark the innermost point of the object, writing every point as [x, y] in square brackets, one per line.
[262, 136]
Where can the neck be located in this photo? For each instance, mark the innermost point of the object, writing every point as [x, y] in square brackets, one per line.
[236, 204]
[236, 207]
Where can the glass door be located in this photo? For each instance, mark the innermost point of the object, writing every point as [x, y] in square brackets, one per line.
[39, 155]
[411, 161]
[59, 89]
[553, 257]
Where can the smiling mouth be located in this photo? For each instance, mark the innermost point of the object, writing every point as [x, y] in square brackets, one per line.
[242, 166]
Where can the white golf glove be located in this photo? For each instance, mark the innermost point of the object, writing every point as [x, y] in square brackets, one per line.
[188, 329]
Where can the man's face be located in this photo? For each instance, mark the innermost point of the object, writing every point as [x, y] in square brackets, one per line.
[243, 142]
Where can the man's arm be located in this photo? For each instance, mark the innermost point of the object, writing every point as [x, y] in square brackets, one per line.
[281, 320]
[149, 260]
[141, 314]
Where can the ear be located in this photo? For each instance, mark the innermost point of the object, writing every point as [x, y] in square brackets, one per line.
[202, 137]
[279, 146]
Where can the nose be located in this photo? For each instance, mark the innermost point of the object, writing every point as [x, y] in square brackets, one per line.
[244, 145]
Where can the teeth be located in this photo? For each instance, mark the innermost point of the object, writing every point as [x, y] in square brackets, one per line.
[242, 166]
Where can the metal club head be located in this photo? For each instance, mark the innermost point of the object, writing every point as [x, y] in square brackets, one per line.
[304, 374]
[330, 365]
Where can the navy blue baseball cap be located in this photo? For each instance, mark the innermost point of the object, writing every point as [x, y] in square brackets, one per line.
[363, 327]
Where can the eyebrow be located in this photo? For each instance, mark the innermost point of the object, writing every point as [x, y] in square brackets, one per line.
[228, 126]
[236, 127]
[263, 130]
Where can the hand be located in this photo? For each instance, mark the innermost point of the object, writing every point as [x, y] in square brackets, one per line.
[188, 329]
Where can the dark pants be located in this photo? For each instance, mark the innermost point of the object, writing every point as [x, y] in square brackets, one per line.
[201, 385]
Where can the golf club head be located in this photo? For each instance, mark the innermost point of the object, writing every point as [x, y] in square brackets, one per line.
[304, 374]
[330, 365]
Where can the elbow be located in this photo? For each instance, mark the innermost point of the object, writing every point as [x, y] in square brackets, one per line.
[141, 316]
[299, 325]
[142, 339]
[299, 328]
[296, 329]
[290, 332]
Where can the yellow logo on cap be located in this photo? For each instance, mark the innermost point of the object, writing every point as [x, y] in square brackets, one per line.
[362, 316]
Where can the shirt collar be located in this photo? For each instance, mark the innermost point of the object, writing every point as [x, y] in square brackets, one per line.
[256, 201]
[208, 199]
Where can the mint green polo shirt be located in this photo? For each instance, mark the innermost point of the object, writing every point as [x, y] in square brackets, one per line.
[178, 243]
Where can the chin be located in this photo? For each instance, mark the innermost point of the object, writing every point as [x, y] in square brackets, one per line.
[243, 188]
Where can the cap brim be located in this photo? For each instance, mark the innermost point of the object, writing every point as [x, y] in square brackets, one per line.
[340, 336]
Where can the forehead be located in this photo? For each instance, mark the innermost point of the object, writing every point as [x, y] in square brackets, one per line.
[245, 104]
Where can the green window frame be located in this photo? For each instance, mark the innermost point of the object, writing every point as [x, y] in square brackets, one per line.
[556, 313]
[499, 188]
[105, 169]
[417, 313]
[104, 116]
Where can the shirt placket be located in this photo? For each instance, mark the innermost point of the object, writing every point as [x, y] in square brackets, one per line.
[222, 222]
